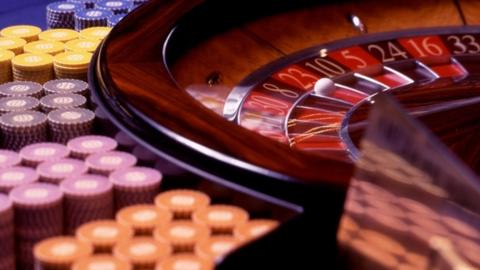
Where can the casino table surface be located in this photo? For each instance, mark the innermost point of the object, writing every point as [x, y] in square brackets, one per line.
[23, 12]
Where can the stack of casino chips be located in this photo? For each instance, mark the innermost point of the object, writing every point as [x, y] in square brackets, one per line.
[56, 171]
[13, 177]
[95, 33]
[221, 219]
[86, 198]
[66, 86]
[27, 32]
[36, 67]
[115, 6]
[83, 146]
[7, 239]
[86, 4]
[18, 104]
[62, 101]
[82, 45]
[137, 3]
[12, 44]
[38, 215]
[44, 46]
[72, 65]
[135, 185]
[187, 260]
[103, 235]
[142, 252]
[94, 262]
[107, 162]
[91, 17]
[182, 202]
[34, 154]
[143, 218]
[6, 57]
[21, 89]
[9, 158]
[66, 124]
[61, 253]
[62, 14]
[112, 21]
[23, 128]
[60, 34]
[182, 235]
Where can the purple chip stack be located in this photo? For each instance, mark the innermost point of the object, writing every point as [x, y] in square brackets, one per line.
[58, 170]
[86, 197]
[12, 177]
[18, 104]
[21, 89]
[107, 162]
[66, 124]
[34, 154]
[23, 128]
[135, 185]
[38, 215]
[9, 158]
[66, 86]
[61, 101]
[83, 146]
[7, 239]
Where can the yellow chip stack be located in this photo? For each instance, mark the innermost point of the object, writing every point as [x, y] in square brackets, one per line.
[72, 65]
[98, 33]
[12, 44]
[36, 67]
[59, 34]
[27, 32]
[43, 46]
[6, 65]
[82, 45]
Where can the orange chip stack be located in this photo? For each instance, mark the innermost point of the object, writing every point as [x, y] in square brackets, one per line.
[221, 219]
[142, 252]
[185, 262]
[255, 228]
[143, 218]
[103, 235]
[60, 253]
[216, 247]
[101, 262]
[182, 235]
[182, 202]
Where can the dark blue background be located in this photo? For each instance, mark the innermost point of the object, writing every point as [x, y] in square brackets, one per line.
[23, 12]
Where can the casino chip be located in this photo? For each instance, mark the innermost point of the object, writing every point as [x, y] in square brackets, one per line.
[95, 33]
[82, 45]
[103, 234]
[115, 6]
[72, 65]
[12, 44]
[215, 247]
[62, 14]
[112, 21]
[55, 171]
[62, 101]
[222, 219]
[43, 46]
[23, 128]
[182, 202]
[181, 235]
[38, 215]
[18, 104]
[66, 124]
[83, 146]
[16, 176]
[107, 162]
[34, 154]
[21, 89]
[102, 260]
[60, 35]
[7, 233]
[27, 32]
[143, 218]
[66, 86]
[91, 17]
[86, 198]
[187, 261]
[60, 252]
[137, 3]
[35, 67]
[9, 158]
[142, 252]
[87, 4]
[6, 57]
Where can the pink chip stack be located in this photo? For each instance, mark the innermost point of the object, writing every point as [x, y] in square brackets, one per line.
[12, 177]
[58, 170]
[83, 146]
[135, 185]
[86, 197]
[7, 240]
[34, 154]
[107, 162]
[38, 215]
[9, 158]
